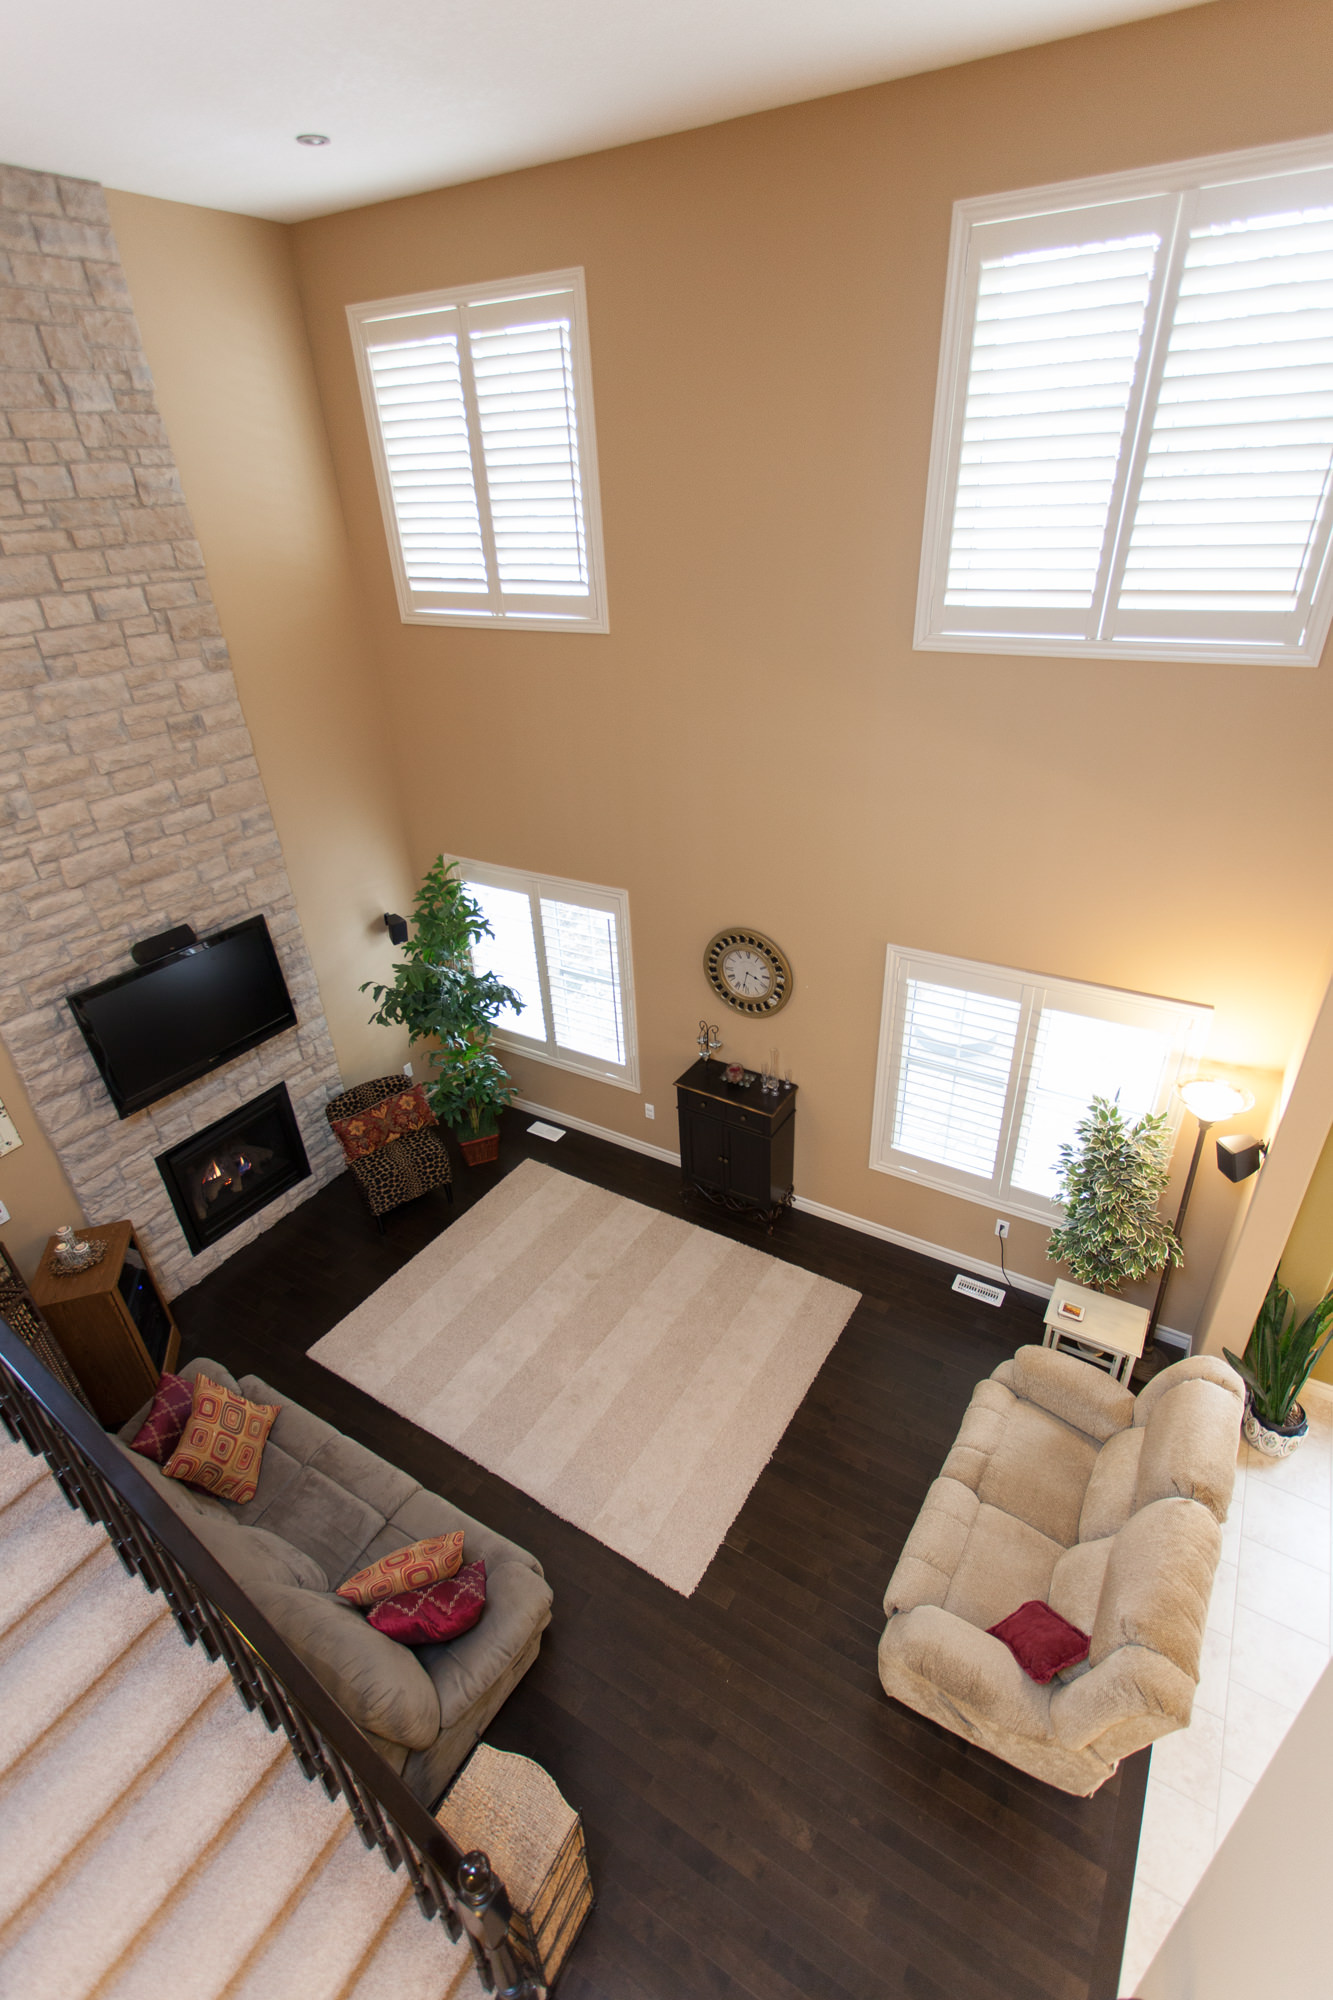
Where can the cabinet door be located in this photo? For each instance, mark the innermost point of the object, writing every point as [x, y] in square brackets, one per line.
[748, 1164]
[702, 1148]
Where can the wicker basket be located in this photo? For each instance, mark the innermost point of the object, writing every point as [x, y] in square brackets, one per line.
[478, 1151]
[512, 1810]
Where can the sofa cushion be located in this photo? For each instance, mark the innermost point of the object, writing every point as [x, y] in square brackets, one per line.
[1189, 1447]
[1076, 1582]
[1038, 1473]
[1159, 1578]
[1109, 1500]
[382, 1686]
[253, 1555]
[184, 1500]
[934, 1548]
[1004, 1562]
[1070, 1389]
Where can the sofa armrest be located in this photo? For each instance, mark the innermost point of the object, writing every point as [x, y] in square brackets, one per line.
[974, 1671]
[1134, 1696]
[1078, 1394]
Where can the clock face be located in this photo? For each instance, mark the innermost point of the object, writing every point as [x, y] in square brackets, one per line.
[748, 971]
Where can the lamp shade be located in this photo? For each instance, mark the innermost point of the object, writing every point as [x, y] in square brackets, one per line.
[1211, 1098]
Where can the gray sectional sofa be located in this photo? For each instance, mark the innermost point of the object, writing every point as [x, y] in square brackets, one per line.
[325, 1508]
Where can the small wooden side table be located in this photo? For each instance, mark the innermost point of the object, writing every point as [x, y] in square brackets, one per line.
[112, 1322]
[1110, 1334]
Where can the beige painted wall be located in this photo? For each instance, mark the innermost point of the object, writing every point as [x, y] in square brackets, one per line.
[755, 740]
[1307, 1261]
[216, 301]
[1252, 1926]
[32, 1186]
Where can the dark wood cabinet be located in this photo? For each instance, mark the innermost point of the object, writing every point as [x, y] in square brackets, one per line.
[737, 1142]
[114, 1327]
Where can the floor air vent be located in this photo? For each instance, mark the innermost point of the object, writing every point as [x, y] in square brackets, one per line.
[977, 1288]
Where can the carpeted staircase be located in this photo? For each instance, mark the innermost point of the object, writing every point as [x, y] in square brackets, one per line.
[154, 1837]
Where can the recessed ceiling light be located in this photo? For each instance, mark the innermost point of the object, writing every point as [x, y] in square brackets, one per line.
[312, 139]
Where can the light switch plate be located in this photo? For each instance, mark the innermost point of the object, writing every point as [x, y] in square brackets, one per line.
[4, 1215]
[9, 1138]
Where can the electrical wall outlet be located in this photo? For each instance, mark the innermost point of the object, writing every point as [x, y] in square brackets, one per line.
[407, 1069]
[4, 1214]
[650, 1111]
[1001, 1225]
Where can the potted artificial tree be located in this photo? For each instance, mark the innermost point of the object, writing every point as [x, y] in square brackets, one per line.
[438, 995]
[1275, 1366]
[1113, 1174]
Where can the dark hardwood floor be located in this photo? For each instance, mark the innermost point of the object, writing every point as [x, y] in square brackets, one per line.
[762, 1821]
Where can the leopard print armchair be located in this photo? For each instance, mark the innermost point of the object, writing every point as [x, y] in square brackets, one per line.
[398, 1171]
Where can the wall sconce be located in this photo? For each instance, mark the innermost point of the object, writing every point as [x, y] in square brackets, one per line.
[1210, 1099]
[1240, 1154]
[396, 927]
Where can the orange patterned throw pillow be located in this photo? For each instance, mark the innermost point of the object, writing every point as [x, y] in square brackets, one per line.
[222, 1444]
[416, 1567]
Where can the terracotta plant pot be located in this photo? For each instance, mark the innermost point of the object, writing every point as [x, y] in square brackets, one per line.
[478, 1151]
[1272, 1441]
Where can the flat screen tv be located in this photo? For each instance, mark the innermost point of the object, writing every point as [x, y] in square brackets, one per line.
[161, 1025]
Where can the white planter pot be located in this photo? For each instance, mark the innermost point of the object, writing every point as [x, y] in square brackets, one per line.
[1272, 1443]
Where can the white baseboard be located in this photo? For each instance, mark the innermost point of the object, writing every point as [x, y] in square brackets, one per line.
[942, 1254]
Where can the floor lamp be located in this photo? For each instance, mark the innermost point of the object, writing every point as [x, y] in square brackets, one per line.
[1210, 1099]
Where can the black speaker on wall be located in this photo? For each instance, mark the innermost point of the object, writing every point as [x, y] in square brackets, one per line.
[148, 950]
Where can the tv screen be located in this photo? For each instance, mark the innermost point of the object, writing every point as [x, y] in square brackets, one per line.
[158, 1027]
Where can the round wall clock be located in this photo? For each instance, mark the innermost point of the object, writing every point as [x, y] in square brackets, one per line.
[748, 971]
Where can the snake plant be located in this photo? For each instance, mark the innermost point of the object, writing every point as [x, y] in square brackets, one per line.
[1281, 1352]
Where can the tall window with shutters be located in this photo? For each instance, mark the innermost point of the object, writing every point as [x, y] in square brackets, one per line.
[1133, 448]
[479, 407]
[985, 1073]
[565, 947]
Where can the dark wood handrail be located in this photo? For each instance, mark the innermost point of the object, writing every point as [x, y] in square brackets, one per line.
[212, 1610]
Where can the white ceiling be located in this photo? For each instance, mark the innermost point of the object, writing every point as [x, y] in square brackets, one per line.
[200, 100]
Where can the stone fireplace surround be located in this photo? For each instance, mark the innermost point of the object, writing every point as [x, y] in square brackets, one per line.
[130, 798]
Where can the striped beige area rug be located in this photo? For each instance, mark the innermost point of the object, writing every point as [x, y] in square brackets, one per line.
[631, 1372]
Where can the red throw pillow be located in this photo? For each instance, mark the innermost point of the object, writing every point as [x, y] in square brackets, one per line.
[443, 1611]
[1042, 1642]
[368, 1131]
[160, 1432]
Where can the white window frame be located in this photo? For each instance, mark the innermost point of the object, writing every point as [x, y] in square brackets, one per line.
[500, 616]
[592, 896]
[1188, 1023]
[1173, 194]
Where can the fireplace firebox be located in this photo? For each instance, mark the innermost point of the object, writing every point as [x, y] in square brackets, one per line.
[234, 1167]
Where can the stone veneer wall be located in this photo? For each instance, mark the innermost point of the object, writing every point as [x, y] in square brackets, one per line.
[130, 798]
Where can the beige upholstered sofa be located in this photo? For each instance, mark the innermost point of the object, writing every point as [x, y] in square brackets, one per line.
[1063, 1486]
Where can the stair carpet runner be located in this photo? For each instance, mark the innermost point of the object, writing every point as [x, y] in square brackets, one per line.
[155, 1837]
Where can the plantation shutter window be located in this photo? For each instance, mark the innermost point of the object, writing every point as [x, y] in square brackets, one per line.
[984, 1074]
[1133, 449]
[479, 409]
[564, 946]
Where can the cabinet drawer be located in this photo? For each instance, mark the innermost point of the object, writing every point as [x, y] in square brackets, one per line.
[741, 1114]
[693, 1101]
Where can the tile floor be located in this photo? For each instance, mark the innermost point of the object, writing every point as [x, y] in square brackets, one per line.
[1270, 1635]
